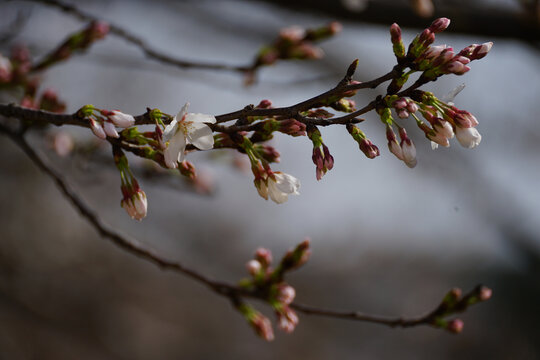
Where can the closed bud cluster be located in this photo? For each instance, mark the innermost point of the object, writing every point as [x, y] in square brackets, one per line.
[103, 122]
[296, 43]
[292, 127]
[321, 156]
[323, 160]
[133, 198]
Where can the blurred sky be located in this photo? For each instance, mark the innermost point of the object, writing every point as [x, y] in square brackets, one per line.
[456, 204]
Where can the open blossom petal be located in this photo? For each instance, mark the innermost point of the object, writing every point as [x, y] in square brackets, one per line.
[201, 136]
[282, 186]
[175, 151]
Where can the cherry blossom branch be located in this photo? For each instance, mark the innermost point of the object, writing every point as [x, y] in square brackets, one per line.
[42, 116]
[267, 284]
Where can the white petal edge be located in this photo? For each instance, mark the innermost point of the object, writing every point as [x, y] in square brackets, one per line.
[200, 118]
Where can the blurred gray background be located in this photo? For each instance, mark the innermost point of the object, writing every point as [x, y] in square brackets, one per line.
[386, 239]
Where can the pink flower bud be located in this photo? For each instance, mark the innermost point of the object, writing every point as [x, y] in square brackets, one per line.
[409, 150]
[457, 68]
[264, 104]
[482, 50]
[287, 319]
[403, 114]
[119, 118]
[393, 145]
[400, 103]
[262, 326]
[110, 129]
[292, 127]
[455, 326]
[468, 137]
[369, 149]
[412, 107]
[264, 257]
[433, 51]
[439, 25]
[485, 293]
[97, 129]
[395, 33]
[253, 267]
[135, 205]
[286, 294]
[425, 36]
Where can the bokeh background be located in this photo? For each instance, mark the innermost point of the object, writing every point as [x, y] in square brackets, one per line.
[386, 239]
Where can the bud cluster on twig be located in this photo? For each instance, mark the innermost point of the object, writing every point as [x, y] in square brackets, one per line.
[268, 283]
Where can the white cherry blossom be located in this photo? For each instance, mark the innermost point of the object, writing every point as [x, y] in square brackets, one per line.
[281, 185]
[187, 128]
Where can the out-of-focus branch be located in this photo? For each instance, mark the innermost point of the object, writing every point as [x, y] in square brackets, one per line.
[467, 19]
[451, 304]
[140, 43]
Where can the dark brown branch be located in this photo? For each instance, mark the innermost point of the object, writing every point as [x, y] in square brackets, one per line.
[232, 292]
[140, 43]
[293, 111]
